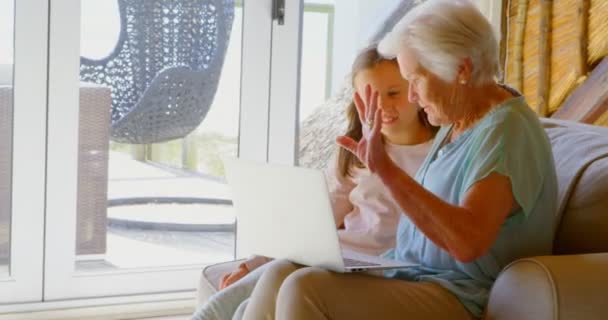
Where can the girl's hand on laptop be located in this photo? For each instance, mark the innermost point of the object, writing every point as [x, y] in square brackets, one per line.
[370, 148]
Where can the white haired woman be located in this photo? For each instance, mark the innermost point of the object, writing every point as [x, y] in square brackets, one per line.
[484, 196]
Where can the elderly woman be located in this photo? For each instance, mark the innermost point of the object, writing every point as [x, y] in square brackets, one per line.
[484, 196]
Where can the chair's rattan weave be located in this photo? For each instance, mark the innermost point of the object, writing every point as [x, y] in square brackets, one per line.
[165, 69]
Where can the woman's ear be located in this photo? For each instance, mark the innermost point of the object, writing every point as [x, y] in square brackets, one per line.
[465, 70]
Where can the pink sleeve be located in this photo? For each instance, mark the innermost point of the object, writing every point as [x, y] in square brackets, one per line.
[255, 262]
[339, 190]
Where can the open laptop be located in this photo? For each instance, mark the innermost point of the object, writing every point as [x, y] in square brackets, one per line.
[285, 212]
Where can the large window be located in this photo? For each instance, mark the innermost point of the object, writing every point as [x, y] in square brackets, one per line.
[333, 32]
[165, 195]
[144, 101]
[105, 202]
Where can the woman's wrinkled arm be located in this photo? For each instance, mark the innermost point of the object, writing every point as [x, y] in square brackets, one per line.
[466, 231]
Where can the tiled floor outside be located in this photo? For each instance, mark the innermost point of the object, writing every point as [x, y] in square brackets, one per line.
[156, 235]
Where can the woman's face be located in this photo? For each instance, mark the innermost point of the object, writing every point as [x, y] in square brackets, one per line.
[425, 88]
[399, 117]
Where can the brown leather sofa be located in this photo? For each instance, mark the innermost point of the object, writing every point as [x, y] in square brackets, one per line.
[572, 283]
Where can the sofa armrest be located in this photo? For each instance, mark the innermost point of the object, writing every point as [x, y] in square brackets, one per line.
[550, 288]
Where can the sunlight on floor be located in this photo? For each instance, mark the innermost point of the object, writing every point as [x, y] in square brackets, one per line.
[160, 248]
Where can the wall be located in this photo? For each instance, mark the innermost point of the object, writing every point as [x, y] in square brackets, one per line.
[355, 21]
[492, 9]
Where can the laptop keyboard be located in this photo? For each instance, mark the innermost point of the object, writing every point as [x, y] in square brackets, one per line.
[358, 263]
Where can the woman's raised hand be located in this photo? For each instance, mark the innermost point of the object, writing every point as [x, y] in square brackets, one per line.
[370, 149]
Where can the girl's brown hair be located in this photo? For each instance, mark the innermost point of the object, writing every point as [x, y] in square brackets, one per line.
[365, 60]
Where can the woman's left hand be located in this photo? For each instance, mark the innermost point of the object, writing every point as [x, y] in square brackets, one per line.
[370, 149]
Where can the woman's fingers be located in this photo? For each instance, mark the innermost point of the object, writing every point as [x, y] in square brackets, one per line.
[375, 149]
[368, 93]
[370, 116]
[347, 143]
[377, 122]
[360, 105]
[373, 106]
[367, 105]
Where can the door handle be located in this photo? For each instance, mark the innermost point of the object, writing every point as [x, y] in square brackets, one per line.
[278, 11]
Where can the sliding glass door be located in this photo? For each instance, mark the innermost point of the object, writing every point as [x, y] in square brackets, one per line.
[23, 46]
[145, 98]
[115, 117]
[143, 102]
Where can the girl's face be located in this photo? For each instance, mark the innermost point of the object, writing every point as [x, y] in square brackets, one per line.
[426, 89]
[399, 116]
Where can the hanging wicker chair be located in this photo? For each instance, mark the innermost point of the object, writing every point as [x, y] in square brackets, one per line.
[165, 68]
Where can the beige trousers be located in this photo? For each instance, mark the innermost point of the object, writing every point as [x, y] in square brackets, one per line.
[287, 291]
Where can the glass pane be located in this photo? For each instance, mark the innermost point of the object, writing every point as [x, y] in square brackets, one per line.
[159, 107]
[316, 79]
[333, 32]
[6, 137]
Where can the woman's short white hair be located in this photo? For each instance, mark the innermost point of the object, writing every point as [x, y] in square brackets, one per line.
[442, 33]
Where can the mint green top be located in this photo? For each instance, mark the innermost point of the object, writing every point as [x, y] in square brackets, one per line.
[510, 141]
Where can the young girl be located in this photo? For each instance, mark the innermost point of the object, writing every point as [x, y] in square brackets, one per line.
[365, 214]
